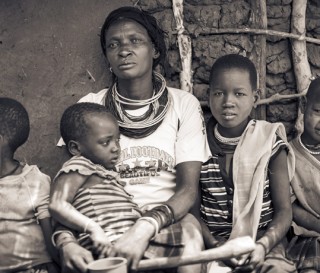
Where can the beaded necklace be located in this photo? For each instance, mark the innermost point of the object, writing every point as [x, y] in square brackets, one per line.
[306, 149]
[225, 140]
[148, 122]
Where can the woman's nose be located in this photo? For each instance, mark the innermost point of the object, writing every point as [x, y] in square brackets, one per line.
[125, 50]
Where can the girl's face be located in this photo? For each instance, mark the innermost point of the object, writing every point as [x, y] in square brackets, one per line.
[231, 100]
[311, 134]
[101, 142]
[129, 50]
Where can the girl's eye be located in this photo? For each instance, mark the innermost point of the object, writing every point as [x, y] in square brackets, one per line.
[240, 94]
[218, 94]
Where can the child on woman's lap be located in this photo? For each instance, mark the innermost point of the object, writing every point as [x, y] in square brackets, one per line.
[87, 183]
[244, 185]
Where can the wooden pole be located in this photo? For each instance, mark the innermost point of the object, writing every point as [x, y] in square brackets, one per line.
[254, 31]
[259, 52]
[232, 248]
[301, 65]
[185, 49]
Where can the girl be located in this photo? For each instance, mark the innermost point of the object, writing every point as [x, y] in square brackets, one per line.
[245, 183]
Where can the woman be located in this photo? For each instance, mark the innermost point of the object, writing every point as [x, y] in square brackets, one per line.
[162, 144]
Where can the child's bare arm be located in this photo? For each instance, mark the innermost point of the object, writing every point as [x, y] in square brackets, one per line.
[47, 233]
[280, 195]
[63, 191]
[282, 216]
[304, 218]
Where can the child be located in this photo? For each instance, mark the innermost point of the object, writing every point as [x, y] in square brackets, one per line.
[304, 247]
[25, 227]
[244, 185]
[87, 195]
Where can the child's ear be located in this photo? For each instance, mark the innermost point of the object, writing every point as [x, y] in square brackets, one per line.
[73, 147]
[256, 97]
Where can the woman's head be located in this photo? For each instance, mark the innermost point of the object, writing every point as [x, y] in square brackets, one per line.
[233, 83]
[14, 123]
[131, 14]
[90, 130]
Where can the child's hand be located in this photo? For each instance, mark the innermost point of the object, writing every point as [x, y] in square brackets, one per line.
[98, 237]
[254, 261]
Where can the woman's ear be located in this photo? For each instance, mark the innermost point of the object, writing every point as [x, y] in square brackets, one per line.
[73, 147]
[156, 53]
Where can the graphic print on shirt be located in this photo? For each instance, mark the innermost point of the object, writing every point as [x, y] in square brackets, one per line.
[139, 163]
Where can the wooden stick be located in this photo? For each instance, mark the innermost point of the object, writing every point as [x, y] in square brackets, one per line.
[232, 248]
[185, 48]
[270, 32]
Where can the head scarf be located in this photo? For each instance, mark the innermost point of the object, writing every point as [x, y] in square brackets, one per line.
[150, 23]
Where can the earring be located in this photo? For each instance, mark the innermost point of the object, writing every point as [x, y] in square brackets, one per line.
[110, 68]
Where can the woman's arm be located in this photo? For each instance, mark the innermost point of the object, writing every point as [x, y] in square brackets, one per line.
[135, 241]
[304, 218]
[187, 179]
[209, 240]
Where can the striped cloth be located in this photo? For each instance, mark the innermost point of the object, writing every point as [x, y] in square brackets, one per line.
[107, 203]
[217, 189]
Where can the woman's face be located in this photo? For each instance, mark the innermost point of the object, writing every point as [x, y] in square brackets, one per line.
[129, 50]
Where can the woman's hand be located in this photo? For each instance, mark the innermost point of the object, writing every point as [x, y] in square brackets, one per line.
[133, 243]
[74, 258]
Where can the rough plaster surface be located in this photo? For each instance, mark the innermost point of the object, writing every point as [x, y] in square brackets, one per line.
[49, 57]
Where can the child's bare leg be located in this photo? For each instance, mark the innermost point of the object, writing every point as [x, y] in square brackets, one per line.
[192, 238]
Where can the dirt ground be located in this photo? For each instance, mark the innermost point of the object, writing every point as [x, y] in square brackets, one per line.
[49, 57]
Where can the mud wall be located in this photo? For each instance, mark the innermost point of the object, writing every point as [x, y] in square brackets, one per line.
[50, 56]
[202, 17]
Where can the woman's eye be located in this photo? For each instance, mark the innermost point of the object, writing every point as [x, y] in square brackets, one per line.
[112, 45]
[136, 40]
[218, 94]
[240, 94]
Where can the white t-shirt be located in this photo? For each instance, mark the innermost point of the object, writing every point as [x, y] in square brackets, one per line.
[147, 165]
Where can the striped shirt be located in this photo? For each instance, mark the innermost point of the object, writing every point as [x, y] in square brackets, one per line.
[107, 203]
[217, 190]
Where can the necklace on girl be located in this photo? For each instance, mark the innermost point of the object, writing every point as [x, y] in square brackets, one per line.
[225, 140]
[306, 149]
